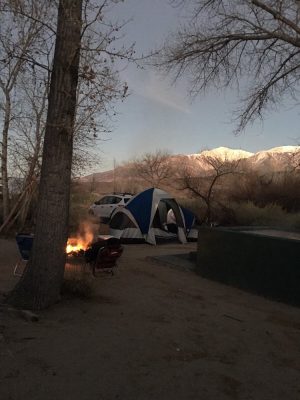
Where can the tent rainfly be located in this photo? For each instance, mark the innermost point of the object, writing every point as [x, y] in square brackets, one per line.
[146, 217]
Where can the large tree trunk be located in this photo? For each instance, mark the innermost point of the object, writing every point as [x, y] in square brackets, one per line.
[41, 282]
[4, 176]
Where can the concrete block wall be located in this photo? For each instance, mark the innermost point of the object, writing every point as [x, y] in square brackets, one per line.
[269, 266]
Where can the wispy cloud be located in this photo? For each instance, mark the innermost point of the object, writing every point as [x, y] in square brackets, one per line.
[160, 91]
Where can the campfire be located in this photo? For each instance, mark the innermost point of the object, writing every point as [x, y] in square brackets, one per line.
[77, 245]
[100, 252]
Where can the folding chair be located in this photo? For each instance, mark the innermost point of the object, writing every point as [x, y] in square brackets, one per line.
[103, 255]
[24, 242]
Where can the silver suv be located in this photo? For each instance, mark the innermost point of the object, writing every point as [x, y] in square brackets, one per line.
[104, 207]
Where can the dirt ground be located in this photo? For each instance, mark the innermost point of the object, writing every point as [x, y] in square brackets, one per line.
[151, 332]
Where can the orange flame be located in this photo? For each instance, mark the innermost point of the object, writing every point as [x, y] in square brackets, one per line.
[82, 240]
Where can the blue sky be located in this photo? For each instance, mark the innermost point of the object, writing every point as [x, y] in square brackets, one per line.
[158, 115]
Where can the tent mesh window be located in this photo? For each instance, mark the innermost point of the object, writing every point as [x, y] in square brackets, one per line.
[121, 221]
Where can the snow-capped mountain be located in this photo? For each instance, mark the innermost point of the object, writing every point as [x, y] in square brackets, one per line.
[224, 153]
[199, 160]
[266, 161]
[236, 154]
[275, 152]
[275, 159]
[228, 154]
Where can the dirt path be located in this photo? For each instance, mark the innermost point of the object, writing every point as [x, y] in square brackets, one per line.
[151, 332]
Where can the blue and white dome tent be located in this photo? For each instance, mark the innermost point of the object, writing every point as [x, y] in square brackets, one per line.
[144, 218]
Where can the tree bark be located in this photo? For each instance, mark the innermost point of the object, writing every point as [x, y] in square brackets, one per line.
[41, 282]
[4, 175]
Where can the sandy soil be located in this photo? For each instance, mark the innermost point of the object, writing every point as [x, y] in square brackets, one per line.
[151, 332]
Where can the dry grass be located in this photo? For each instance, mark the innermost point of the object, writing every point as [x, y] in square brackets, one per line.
[78, 284]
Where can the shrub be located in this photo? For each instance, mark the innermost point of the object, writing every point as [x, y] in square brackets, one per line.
[247, 213]
[79, 285]
[279, 188]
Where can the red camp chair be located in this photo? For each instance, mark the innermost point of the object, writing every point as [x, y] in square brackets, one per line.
[103, 255]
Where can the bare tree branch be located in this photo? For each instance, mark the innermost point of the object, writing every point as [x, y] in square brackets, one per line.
[228, 40]
[155, 168]
[202, 185]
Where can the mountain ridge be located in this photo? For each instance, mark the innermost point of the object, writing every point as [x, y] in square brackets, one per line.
[274, 159]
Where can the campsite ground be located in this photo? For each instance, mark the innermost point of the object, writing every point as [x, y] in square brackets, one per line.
[150, 332]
